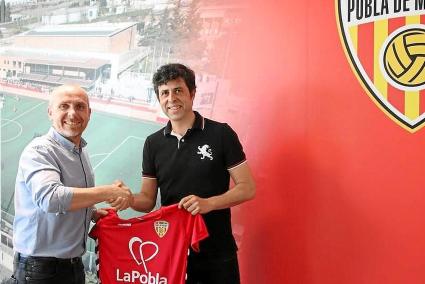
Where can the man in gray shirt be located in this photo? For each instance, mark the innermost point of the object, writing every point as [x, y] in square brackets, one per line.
[55, 195]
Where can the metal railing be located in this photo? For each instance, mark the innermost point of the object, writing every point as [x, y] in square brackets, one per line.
[6, 228]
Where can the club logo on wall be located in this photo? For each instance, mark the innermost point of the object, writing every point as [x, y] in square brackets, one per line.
[385, 43]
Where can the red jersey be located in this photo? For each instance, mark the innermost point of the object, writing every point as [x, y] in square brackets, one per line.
[151, 249]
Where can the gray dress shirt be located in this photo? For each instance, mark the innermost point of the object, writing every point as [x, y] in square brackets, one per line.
[49, 166]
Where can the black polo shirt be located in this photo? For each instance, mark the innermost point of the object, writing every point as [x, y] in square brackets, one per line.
[197, 164]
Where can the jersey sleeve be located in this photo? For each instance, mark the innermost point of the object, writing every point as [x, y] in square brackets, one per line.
[148, 165]
[94, 232]
[199, 232]
[233, 150]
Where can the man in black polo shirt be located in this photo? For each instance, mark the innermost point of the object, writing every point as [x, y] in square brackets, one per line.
[191, 160]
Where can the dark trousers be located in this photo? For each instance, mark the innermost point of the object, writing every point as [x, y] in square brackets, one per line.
[47, 270]
[212, 270]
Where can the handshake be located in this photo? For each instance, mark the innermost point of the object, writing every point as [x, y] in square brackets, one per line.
[119, 195]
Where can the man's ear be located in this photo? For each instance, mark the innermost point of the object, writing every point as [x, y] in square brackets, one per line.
[49, 113]
[192, 95]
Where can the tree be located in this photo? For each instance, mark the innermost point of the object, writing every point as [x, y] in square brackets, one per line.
[103, 9]
[172, 33]
[7, 13]
[2, 11]
[188, 28]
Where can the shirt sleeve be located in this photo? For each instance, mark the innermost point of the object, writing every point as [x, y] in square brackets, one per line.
[233, 150]
[148, 165]
[41, 175]
[199, 232]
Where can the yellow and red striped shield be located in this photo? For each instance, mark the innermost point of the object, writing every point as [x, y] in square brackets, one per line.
[161, 227]
[385, 43]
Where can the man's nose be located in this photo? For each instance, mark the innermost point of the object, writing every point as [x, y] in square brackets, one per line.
[172, 96]
[71, 111]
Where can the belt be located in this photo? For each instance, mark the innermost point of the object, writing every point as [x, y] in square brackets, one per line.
[23, 258]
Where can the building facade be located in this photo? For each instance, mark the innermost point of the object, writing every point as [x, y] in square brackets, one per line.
[82, 54]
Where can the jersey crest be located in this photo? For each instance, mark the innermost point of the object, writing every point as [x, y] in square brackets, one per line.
[384, 41]
[161, 227]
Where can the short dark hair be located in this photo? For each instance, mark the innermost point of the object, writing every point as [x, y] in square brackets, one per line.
[174, 71]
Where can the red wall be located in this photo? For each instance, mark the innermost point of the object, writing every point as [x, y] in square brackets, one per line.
[340, 186]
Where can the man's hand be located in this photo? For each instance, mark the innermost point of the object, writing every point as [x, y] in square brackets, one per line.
[196, 205]
[121, 197]
[99, 213]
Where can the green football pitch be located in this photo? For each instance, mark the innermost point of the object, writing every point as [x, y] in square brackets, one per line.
[115, 144]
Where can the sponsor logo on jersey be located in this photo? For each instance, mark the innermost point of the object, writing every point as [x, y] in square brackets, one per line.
[205, 152]
[385, 43]
[142, 252]
[136, 277]
[161, 227]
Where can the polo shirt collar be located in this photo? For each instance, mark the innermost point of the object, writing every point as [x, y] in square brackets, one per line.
[65, 142]
[198, 124]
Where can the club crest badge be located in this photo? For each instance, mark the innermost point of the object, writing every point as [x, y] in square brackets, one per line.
[161, 228]
[385, 43]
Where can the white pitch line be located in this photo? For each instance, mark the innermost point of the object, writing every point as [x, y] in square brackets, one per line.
[95, 155]
[135, 137]
[116, 148]
[22, 114]
[17, 135]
